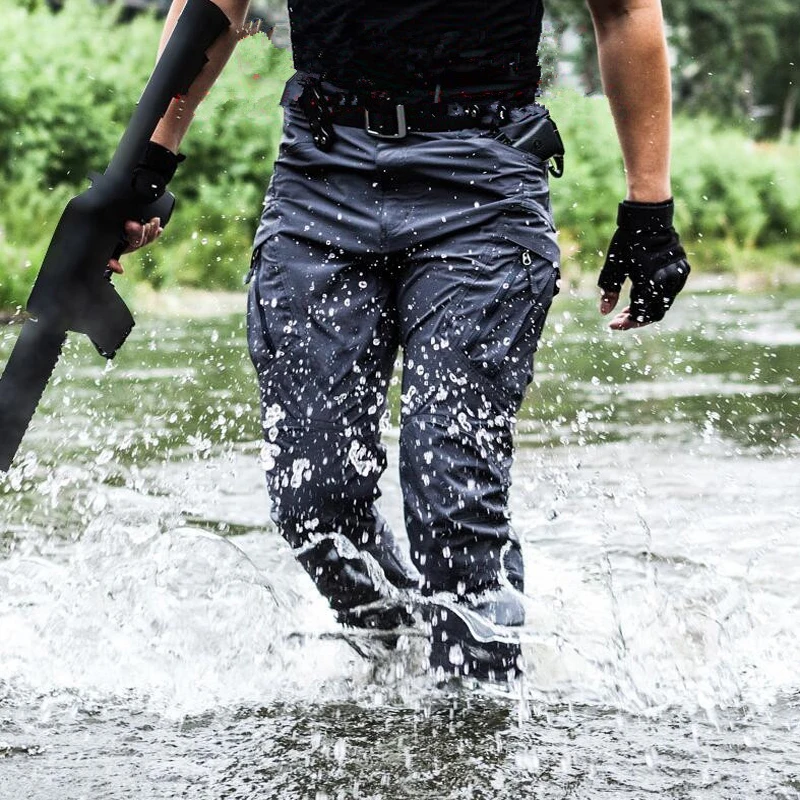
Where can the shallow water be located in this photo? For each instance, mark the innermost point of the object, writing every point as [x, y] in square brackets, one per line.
[157, 640]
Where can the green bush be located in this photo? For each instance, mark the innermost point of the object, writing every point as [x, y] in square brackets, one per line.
[585, 198]
[68, 84]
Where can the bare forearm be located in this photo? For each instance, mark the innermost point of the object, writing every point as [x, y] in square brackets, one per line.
[174, 124]
[635, 72]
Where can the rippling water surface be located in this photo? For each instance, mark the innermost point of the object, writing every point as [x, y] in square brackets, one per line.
[158, 641]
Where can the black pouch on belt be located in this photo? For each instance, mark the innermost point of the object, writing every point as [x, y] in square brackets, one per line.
[539, 136]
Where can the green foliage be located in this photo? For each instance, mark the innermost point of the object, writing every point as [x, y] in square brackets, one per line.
[585, 198]
[737, 59]
[68, 83]
[574, 15]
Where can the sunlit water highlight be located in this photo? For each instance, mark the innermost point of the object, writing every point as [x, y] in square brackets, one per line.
[157, 639]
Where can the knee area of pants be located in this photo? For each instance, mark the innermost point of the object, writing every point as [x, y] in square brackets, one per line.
[485, 432]
[310, 470]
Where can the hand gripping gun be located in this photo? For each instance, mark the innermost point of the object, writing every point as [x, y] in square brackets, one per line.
[73, 290]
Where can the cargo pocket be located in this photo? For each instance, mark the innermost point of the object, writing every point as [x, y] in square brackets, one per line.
[500, 318]
[270, 323]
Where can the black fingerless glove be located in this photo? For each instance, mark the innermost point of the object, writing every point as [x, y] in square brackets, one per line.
[646, 249]
[155, 171]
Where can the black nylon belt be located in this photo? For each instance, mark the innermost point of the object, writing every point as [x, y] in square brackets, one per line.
[386, 119]
[395, 121]
[391, 120]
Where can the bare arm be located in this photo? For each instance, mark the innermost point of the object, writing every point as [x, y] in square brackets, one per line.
[176, 121]
[173, 125]
[635, 73]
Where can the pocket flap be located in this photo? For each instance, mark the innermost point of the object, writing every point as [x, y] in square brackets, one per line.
[533, 233]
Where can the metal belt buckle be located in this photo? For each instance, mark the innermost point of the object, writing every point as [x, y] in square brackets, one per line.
[402, 129]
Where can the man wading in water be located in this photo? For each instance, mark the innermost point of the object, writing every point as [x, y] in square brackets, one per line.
[409, 208]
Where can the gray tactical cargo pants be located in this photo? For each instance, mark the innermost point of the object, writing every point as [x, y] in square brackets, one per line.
[441, 244]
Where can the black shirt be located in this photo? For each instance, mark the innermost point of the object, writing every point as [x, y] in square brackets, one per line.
[403, 45]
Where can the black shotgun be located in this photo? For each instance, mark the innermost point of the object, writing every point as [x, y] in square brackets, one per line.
[73, 291]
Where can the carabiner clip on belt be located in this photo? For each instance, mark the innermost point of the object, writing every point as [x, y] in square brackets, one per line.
[319, 117]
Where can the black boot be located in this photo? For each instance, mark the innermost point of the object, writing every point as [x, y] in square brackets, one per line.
[363, 583]
[477, 635]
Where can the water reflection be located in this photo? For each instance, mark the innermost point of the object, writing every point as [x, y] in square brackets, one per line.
[456, 747]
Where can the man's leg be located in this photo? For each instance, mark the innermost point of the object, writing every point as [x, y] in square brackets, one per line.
[472, 305]
[323, 337]
[466, 369]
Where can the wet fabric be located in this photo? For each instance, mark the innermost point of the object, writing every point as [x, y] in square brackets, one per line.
[417, 44]
[441, 245]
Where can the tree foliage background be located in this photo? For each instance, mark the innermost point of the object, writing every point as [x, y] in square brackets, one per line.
[739, 60]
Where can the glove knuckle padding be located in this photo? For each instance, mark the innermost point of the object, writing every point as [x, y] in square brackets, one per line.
[652, 296]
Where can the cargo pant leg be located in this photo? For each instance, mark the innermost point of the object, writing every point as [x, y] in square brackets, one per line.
[323, 338]
[466, 368]
[323, 372]
[472, 303]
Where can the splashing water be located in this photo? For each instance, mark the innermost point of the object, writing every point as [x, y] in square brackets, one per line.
[158, 640]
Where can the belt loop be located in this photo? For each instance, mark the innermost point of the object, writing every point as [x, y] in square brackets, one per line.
[437, 94]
